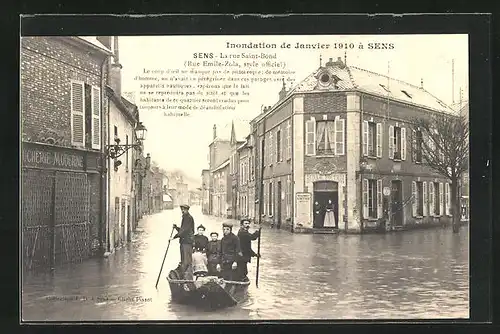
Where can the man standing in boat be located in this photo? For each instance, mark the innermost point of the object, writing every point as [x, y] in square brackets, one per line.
[186, 235]
[245, 238]
[230, 249]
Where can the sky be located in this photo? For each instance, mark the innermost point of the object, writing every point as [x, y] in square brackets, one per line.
[182, 142]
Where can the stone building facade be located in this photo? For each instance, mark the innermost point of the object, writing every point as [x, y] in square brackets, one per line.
[342, 136]
[62, 106]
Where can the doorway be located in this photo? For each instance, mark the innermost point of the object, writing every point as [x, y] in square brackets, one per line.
[396, 203]
[325, 191]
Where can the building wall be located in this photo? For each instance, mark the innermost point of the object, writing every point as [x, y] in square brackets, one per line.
[219, 152]
[48, 66]
[120, 179]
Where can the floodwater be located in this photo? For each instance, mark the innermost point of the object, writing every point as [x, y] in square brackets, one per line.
[404, 275]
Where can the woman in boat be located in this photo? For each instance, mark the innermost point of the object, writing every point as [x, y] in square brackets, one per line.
[199, 253]
[330, 215]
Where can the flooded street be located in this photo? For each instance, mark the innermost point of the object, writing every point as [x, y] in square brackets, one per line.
[415, 274]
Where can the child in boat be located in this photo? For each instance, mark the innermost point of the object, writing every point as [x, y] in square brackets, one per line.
[214, 255]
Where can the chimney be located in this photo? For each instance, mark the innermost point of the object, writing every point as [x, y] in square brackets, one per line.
[338, 62]
[115, 75]
[282, 92]
[329, 63]
[215, 131]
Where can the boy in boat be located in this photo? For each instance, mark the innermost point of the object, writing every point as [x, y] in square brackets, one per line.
[185, 234]
[230, 249]
[199, 253]
[214, 254]
[245, 238]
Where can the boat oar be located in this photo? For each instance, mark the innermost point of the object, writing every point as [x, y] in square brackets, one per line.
[164, 257]
[258, 258]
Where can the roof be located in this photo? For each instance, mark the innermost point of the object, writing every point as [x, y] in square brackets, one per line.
[241, 130]
[465, 109]
[167, 198]
[242, 145]
[94, 42]
[221, 166]
[358, 79]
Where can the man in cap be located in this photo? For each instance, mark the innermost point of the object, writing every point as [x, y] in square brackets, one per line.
[245, 238]
[185, 234]
[230, 250]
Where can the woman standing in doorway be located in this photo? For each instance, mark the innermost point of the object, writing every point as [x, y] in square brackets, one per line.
[330, 215]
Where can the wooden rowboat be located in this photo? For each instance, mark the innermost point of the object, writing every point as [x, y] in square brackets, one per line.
[208, 292]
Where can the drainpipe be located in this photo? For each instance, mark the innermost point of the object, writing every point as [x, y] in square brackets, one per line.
[361, 223]
[104, 182]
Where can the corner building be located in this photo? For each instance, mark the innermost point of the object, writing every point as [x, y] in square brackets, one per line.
[343, 135]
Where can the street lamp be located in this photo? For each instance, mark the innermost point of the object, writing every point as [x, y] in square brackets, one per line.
[116, 150]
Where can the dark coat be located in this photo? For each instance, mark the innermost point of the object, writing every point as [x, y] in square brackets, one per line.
[214, 251]
[200, 243]
[246, 244]
[230, 248]
[186, 232]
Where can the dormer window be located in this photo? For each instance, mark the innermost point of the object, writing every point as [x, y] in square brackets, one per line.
[407, 94]
[385, 88]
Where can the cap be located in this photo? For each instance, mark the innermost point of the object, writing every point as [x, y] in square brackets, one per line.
[201, 226]
[227, 225]
[244, 220]
[185, 206]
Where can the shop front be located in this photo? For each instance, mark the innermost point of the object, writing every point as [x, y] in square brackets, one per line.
[61, 194]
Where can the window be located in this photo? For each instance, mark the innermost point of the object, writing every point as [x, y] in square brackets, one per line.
[271, 148]
[372, 139]
[418, 198]
[447, 199]
[270, 198]
[278, 146]
[372, 198]
[397, 142]
[85, 115]
[288, 196]
[262, 153]
[436, 198]
[289, 140]
[417, 146]
[325, 137]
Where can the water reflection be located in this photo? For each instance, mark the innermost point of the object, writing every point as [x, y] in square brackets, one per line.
[418, 274]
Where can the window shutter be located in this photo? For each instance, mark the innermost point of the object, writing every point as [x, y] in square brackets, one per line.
[425, 200]
[379, 140]
[96, 117]
[414, 198]
[365, 138]
[339, 136]
[264, 200]
[441, 199]
[413, 145]
[289, 140]
[391, 142]
[77, 113]
[403, 143]
[432, 201]
[379, 199]
[447, 199]
[311, 137]
[365, 198]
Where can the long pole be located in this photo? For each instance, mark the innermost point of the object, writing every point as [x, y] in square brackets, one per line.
[258, 258]
[164, 257]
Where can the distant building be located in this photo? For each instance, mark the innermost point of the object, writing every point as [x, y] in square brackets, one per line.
[464, 188]
[221, 193]
[205, 192]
